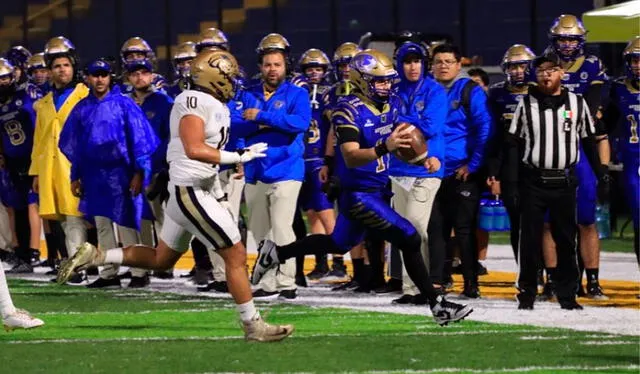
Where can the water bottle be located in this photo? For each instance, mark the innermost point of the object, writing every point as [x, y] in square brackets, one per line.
[603, 221]
[499, 215]
[486, 215]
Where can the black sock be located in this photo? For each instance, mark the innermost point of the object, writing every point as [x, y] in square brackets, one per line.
[419, 274]
[321, 261]
[365, 275]
[358, 263]
[92, 236]
[592, 275]
[376, 264]
[299, 265]
[52, 252]
[551, 274]
[310, 245]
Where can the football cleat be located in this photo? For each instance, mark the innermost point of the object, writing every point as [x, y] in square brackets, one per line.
[258, 330]
[21, 319]
[445, 311]
[267, 259]
[87, 255]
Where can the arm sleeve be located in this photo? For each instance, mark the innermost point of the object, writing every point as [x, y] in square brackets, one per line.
[295, 120]
[481, 119]
[343, 121]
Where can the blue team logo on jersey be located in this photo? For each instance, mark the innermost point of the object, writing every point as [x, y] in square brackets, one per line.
[383, 118]
[565, 77]
[18, 102]
[150, 115]
[584, 75]
[278, 104]
[420, 105]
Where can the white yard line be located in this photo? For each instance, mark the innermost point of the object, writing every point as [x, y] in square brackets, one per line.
[510, 370]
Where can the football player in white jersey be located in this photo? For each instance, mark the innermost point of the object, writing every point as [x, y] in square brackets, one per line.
[199, 125]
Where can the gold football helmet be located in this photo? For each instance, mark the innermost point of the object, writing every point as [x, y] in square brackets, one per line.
[345, 52]
[36, 62]
[212, 38]
[273, 41]
[567, 26]
[185, 52]
[135, 45]
[6, 69]
[314, 57]
[370, 66]
[216, 72]
[517, 54]
[630, 51]
[59, 47]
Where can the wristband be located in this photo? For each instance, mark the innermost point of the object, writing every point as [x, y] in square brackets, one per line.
[227, 158]
[381, 149]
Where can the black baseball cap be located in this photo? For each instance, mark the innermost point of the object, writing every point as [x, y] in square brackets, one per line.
[546, 58]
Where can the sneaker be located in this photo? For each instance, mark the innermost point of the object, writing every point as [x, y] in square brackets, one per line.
[319, 271]
[581, 292]
[35, 257]
[21, 319]
[125, 275]
[21, 268]
[163, 274]
[190, 274]
[404, 299]
[262, 293]
[481, 269]
[87, 255]
[548, 292]
[106, 283]
[594, 291]
[267, 259]
[419, 299]
[218, 286]
[570, 304]
[287, 294]
[525, 301]
[52, 272]
[394, 285]
[445, 311]
[139, 282]
[9, 257]
[350, 285]
[202, 277]
[78, 279]
[301, 280]
[470, 291]
[258, 330]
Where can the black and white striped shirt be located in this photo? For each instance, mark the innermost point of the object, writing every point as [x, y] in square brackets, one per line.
[552, 136]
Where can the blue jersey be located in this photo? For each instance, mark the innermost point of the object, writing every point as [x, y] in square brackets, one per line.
[316, 138]
[157, 108]
[626, 99]
[17, 121]
[373, 127]
[176, 88]
[503, 100]
[583, 73]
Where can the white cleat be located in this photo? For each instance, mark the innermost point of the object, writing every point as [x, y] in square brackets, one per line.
[87, 255]
[267, 259]
[445, 311]
[21, 319]
[260, 331]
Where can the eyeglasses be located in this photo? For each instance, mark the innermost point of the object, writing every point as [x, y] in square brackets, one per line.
[444, 62]
[546, 71]
[100, 74]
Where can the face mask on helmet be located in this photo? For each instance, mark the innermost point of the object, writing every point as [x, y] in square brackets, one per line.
[567, 37]
[341, 59]
[373, 74]
[568, 47]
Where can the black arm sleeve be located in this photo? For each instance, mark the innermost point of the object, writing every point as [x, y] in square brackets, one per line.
[510, 159]
[347, 134]
[593, 96]
[591, 150]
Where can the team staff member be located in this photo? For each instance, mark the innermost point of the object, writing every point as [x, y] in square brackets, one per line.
[550, 124]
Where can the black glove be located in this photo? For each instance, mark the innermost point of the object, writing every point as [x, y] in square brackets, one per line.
[160, 187]
[332, 188]
[604, 188]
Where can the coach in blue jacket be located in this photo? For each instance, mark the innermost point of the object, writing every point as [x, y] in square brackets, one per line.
[466, 134]
[279, 117]
[424, 105]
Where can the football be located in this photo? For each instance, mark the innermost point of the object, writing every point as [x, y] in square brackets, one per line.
[417, 153]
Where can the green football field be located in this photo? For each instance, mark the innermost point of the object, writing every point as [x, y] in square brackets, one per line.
[123, 331]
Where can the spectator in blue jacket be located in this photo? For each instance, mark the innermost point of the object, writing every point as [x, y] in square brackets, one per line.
[424, 105]
[466, 134]
[279, 115]
[110, 144]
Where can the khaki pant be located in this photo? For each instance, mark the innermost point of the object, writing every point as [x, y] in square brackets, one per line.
[415, 205]
[271, 212]
[107, 239]
[5, 229]
[148, 228]
[75, 231]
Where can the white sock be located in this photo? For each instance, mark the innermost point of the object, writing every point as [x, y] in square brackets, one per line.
[248, 311]
[6, 304]
[114, 256]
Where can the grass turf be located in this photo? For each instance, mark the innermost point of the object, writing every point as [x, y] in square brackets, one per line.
[143, 332]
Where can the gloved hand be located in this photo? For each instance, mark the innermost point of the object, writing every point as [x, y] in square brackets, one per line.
[604, 188]
[244, 155]
[159, 188]
[332, 188]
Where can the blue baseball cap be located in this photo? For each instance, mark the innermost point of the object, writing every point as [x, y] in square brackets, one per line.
[138, 64]
[98, 66]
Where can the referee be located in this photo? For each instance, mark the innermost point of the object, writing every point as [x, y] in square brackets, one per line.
[545, 135]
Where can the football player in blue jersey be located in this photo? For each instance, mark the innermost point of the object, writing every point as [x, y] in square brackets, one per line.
[184, 54]
[585, 75]
[315, 67]
[133, 49]
[503, 99]
[365, 124]
[17, 125]
[623, 114]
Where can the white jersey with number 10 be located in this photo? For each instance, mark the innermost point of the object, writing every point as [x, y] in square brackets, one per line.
[215, 114]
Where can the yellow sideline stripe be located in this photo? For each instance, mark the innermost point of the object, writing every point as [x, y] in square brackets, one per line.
[496, 284]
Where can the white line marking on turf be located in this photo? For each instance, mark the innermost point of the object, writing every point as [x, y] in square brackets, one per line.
[310, 336]
[538, 337]
[510, 370]
[608, 342]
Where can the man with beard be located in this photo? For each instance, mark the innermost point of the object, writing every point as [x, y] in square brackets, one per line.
[551, 124]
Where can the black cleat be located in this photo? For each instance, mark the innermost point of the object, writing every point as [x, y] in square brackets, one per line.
[102, 283]
[445, 311]
[287, 294]
[139, 282]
